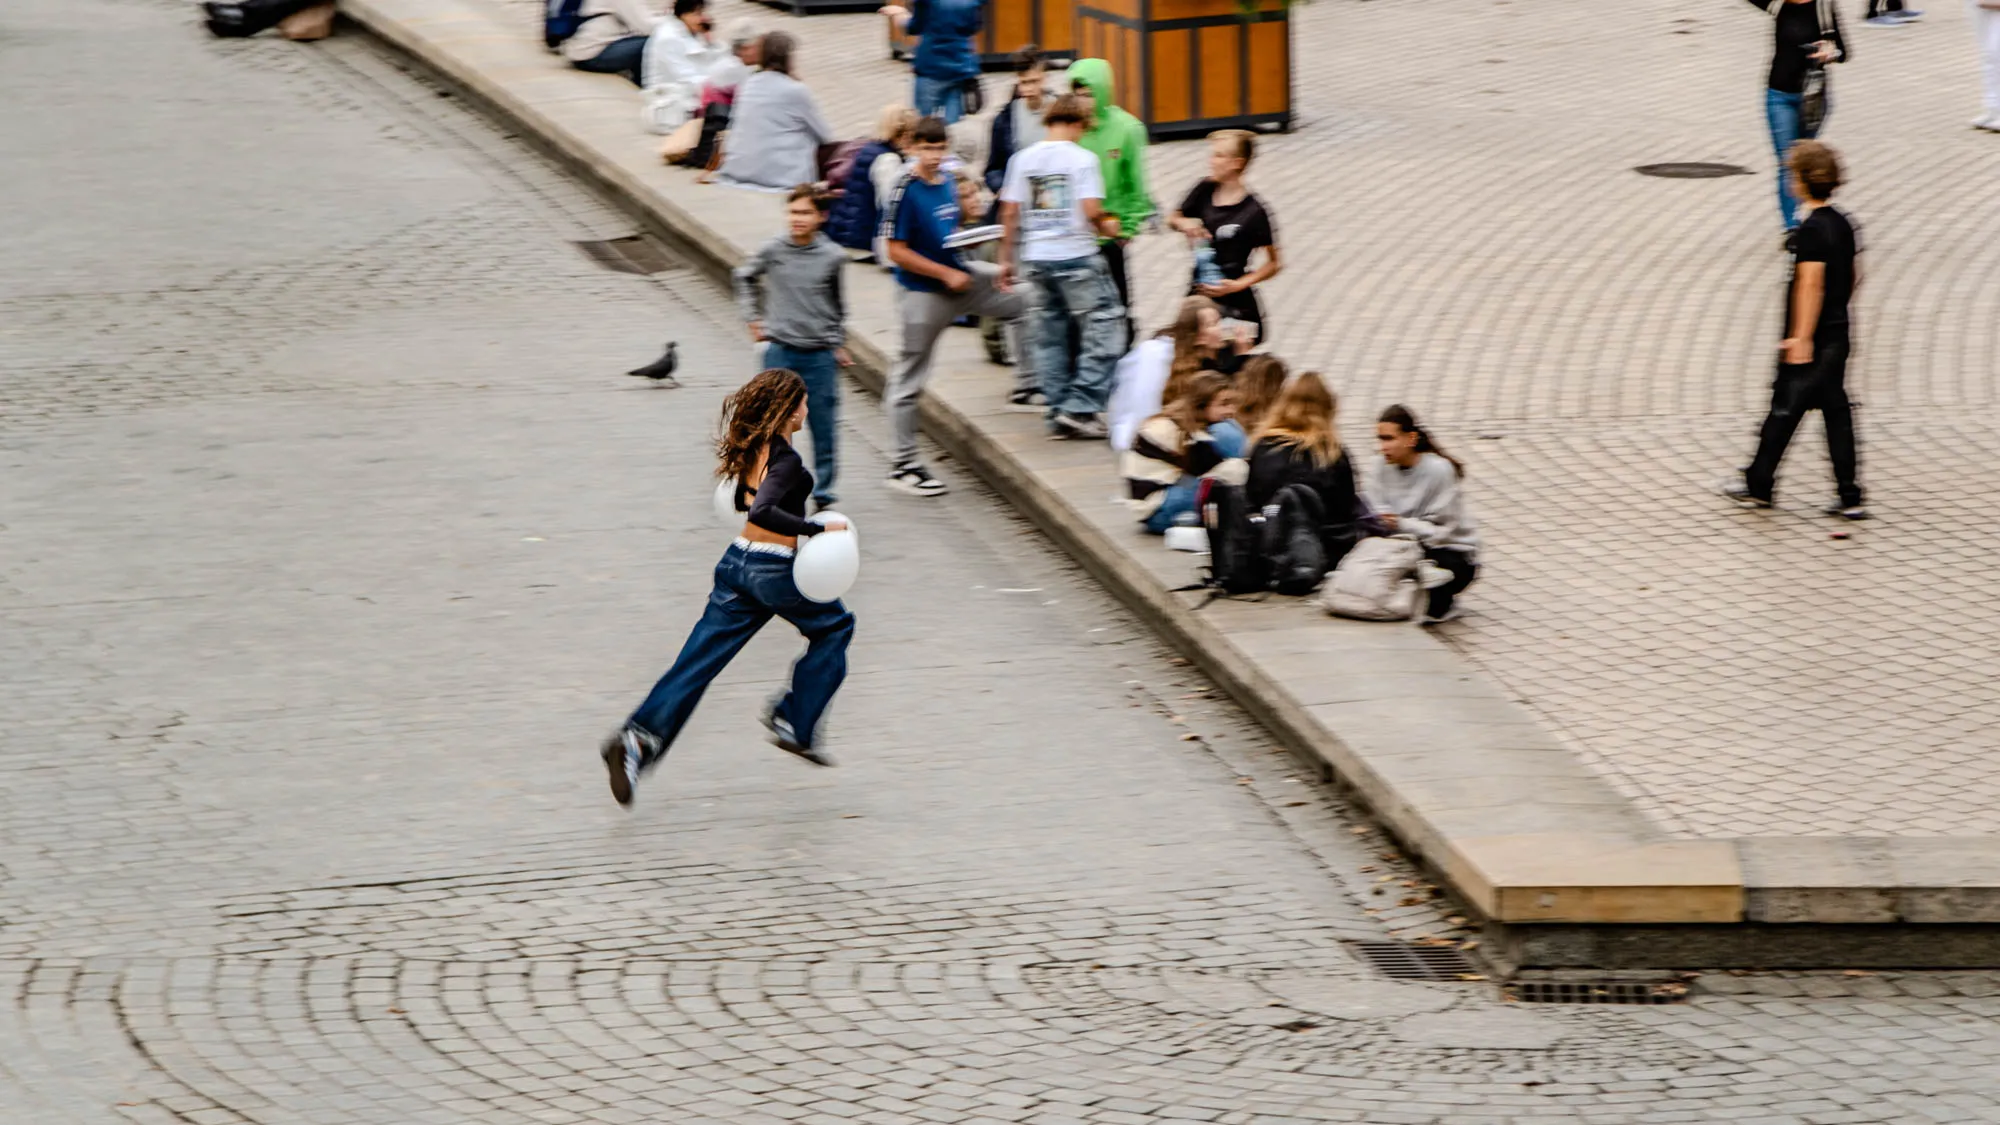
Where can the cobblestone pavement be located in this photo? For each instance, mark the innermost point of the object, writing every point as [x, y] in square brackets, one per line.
[1467, 236]
[331, 541]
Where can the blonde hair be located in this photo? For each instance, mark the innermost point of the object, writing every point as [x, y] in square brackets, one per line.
[895, 122]
[1305, 416]
[1242, 143]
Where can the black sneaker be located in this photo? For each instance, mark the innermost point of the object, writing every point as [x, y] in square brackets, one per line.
[784, 738]
[626, 754]
[1079, 427]
[1741, 494]
[1027, 400]
[1846, 511]
[917, 481]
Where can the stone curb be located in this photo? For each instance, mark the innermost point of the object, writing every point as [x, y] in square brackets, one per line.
[1465, 776]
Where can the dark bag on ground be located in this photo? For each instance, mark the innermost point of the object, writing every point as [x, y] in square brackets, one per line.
[243, 18]
[714, 123]
[1277, 547]
[1292, 544]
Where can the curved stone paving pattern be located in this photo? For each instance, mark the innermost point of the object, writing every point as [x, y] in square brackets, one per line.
[562, 1041]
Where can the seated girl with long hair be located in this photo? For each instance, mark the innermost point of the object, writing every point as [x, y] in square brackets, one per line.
[1417, 492]
[1299, 443]
[1173, 448]
[1155, 372]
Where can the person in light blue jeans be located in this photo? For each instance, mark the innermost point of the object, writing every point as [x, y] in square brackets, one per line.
[946, 56]
[791, 298]
[1077, 292]
[1806, 39]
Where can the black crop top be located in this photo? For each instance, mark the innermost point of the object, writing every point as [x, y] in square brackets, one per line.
[780, 504]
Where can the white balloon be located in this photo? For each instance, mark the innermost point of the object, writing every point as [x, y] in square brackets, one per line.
[725, 504]
[826, 564]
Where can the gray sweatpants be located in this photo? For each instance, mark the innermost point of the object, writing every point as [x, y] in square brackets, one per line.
[925, 317]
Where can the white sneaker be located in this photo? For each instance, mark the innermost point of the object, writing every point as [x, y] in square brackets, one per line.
[1989, 123]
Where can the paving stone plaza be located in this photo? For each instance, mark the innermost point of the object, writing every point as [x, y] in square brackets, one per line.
[331, 539]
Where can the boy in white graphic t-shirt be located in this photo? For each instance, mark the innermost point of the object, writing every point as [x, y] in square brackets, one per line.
[1052, 205]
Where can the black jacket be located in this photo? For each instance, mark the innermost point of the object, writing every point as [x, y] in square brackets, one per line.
[1275, 464]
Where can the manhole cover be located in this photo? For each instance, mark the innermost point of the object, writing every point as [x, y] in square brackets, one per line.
[1692, 171]
[1401, 960]
[1596, 992]
[635, 253]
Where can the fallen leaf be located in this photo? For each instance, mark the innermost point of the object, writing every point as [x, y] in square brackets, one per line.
[1856, 973]
[1367, 867]
[1456, 920]
[1472, 976]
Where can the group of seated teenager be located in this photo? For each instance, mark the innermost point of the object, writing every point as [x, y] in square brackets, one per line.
[1188, 402]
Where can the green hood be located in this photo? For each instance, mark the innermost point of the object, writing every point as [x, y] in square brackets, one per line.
[1119, 140]
[1095, 74]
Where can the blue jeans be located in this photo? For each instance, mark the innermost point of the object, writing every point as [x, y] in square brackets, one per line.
[1230, 441]
[1075, 293]
[822, 375]
[1783, 111]
[750, 589]
[622, 56]
[943, 97]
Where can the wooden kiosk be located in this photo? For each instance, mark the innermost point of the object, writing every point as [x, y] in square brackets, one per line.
[1188, 67]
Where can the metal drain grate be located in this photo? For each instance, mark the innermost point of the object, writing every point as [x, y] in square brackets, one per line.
[635, 253]
[1400, 960]
[1596, 992]
[1692, 171]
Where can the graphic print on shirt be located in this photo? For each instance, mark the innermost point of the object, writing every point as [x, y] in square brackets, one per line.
[1050, 199]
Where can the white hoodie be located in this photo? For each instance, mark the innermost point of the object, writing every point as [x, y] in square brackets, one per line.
[1137, 384]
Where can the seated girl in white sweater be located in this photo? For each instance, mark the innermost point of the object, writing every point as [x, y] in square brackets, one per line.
[1417, 492]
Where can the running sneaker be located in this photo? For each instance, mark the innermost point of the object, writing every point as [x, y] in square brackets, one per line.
[1078, 427]
[1450, 613]
[626, 754]
[1739, 492]
[1846, 511]
[1988, 124]
[1886, 19]
[917, 481]
[1027, 400]
[784, 738]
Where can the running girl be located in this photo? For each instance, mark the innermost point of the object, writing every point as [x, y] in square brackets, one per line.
[753, 583]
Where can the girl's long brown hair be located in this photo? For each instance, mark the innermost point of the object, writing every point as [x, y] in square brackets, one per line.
[753, 416]
[1189, 355]
[1258, 386]
[1304, 416]
[1189, 410]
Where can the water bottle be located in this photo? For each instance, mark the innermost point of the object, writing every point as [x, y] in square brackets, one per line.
[1206, 272]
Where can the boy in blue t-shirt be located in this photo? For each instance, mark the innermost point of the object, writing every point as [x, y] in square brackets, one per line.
[938, 287]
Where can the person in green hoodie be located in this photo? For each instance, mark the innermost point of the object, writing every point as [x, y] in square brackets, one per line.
[1119, 140]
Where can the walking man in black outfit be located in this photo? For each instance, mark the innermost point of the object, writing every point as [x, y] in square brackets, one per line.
[1812, 364]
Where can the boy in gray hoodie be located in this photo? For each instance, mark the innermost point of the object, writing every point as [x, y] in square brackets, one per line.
[799, 314]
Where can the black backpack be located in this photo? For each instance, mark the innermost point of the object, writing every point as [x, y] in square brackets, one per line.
[1236, 561]
[1254, 550]
[1291, 546]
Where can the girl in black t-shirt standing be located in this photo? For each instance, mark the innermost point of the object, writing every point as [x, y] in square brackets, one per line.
[1225, 214]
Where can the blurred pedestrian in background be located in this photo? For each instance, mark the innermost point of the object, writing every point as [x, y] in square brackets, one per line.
[1986, 24]
[611, 37]
[1807, 41]
[947, 59]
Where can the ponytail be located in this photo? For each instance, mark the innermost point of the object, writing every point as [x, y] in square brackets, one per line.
[1404, 419]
